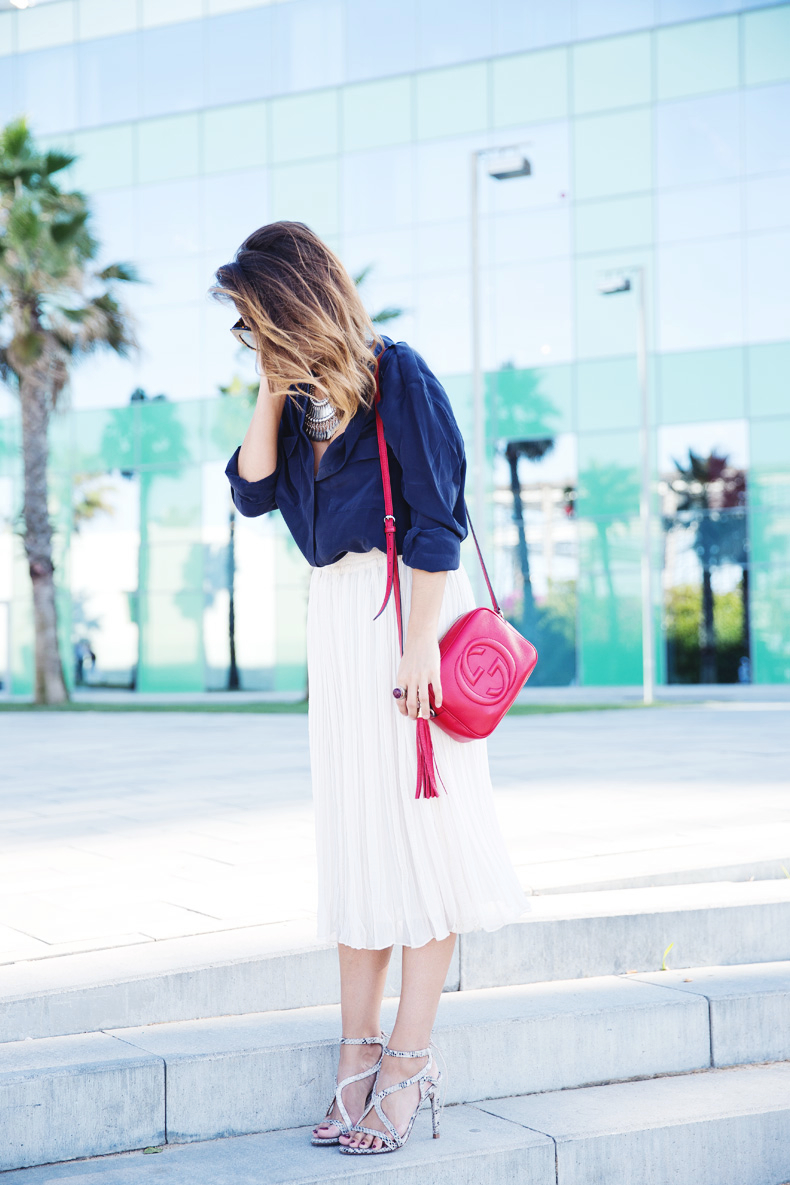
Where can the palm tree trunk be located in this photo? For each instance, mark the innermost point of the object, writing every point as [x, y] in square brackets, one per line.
[50, 687]
[528, 615]
[708, 633]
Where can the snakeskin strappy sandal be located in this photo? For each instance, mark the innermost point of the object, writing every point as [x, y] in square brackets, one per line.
[427, 1079]
[344, 1123]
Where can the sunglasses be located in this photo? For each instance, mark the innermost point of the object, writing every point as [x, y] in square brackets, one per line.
[243, 334]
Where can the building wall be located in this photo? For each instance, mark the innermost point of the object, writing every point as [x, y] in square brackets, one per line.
[659, 136]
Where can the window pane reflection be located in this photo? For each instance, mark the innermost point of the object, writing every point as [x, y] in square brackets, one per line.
[238, 50]
[694, 58]
[698, 140]
[172, 68]
[703, 486]
[368, 53]
[109, 82]
[614, 73]
[526, 26]
[452, 31]
[766, 112]
[700, 302]
[47, 88]
[535, 548]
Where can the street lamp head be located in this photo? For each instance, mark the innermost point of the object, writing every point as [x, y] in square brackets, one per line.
[507, 165]
[614, 284]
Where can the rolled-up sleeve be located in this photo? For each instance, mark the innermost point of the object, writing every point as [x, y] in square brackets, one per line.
[421, 429]
[251, 498]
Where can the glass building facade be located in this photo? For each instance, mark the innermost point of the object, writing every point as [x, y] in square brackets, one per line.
[658, 135]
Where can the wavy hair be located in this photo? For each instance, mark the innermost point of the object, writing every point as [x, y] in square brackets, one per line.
[306, 314]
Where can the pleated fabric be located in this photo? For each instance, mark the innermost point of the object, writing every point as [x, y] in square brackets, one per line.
[392, 868]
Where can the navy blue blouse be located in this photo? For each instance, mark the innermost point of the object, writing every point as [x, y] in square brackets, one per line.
[341, 508]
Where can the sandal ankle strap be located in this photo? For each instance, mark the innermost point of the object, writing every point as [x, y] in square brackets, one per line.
[380, 1040]
[407, 1052]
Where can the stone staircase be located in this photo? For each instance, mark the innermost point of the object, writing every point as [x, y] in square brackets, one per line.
[571, 1058]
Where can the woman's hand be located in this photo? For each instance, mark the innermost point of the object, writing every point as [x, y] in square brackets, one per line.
[419, 666]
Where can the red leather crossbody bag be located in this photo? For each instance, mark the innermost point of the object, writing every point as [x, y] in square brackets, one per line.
[485, 661]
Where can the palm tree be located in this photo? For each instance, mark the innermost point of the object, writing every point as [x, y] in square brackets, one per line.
[711, 498]
[55, 309]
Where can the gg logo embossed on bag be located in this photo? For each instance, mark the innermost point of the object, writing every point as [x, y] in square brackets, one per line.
[487, 671]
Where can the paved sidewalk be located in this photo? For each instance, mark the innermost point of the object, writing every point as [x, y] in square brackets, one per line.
[121, 828]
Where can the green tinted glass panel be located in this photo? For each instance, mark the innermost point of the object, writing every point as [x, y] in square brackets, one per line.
[377, 113]
[235, 137]
[766, 45]
[459, 389]
[607, 394]
[606, 325]
[527, 403]
[106, 157]
[291, 605]
[608, 475]
[694, 58]
[768, 368]
[610, 618]
[307, 193]
[614, 224]
[452, 101]
[168, 148]
[530, 87]
[171, 644]
[613, 153]
[61, 428]
[9, 445]
[173, 566]
[172, 500]
[701, 385]
[769, 535]
[305, 126]
[615, 72]
[106, 438]
[170, 433]
[22, 636]
[769, 471]
[225, 425]
[769, 614]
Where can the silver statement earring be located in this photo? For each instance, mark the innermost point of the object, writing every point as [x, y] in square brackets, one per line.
[321, 421]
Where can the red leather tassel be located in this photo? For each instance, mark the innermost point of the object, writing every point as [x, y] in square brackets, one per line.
[427, 772]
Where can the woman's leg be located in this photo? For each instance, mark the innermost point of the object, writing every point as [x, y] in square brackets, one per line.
[363, 974]
[424, 973]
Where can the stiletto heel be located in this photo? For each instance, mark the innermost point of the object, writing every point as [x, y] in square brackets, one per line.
[435, 1114]
[427, 1079]
[344, 1124]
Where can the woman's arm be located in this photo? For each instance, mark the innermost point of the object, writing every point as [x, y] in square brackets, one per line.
[419, 665]
[258, 454]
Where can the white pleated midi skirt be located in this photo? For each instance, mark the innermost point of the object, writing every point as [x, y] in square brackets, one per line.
[392, 868]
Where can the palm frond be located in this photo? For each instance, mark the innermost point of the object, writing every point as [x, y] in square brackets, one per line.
[119, 271]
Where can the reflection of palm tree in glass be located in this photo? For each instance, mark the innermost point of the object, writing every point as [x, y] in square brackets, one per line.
[611, 492]
[160, 435]
[711, 502]
[533, 450]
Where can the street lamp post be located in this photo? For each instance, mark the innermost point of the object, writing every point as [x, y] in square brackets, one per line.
[505, 163]
[610, 287]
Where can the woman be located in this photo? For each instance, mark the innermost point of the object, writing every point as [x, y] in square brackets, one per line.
[391, 868]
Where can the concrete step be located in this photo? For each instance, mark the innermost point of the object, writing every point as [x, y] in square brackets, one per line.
[262, 968]
[234, 1075]
[719, 1127]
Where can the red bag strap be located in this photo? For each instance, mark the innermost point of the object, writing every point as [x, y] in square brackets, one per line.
[393, 575]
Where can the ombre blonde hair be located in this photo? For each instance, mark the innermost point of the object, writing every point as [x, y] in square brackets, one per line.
[306, 314]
